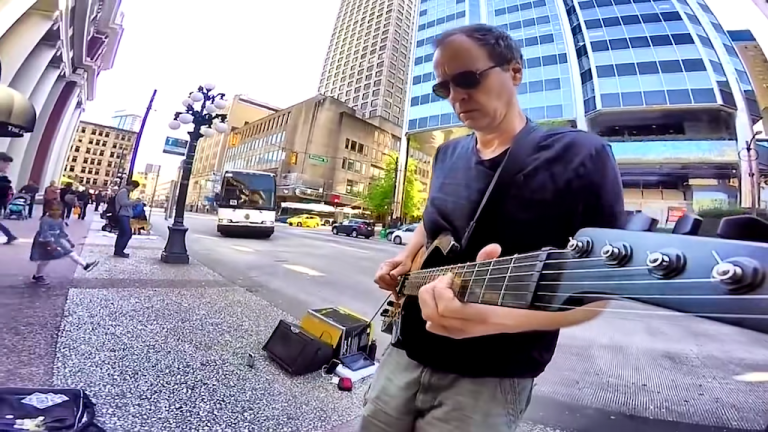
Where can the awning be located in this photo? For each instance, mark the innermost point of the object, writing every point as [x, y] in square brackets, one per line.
[17, 114]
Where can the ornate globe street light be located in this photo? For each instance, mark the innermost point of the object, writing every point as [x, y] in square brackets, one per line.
[206, 122]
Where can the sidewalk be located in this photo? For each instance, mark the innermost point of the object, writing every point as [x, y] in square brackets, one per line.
[161, 347]
[30, 315]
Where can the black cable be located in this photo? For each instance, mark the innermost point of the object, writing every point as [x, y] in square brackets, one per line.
[375, 314]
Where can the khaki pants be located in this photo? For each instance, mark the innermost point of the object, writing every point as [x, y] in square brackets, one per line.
[405, 396]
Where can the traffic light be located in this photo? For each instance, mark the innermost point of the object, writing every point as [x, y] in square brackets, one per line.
[294, 158]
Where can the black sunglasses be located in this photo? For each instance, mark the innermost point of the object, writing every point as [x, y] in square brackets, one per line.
[465, 80]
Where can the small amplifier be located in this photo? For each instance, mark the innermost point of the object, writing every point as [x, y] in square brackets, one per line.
[346, 331]
[297, 351]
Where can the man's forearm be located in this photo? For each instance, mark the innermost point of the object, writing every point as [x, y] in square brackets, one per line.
[417, 242]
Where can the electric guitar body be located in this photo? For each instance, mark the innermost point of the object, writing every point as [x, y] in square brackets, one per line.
[717, 279]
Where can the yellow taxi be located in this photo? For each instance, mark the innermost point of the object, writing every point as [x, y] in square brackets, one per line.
[308, 221]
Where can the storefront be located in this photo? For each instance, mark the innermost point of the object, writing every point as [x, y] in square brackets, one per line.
[17, 114]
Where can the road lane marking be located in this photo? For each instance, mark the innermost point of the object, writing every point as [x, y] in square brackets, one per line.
[753, 377]
[207, 237]
[348, 248]
[300, 269]
[200, 216]
[242, 249]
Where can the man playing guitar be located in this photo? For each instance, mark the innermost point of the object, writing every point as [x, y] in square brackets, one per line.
[468, 367]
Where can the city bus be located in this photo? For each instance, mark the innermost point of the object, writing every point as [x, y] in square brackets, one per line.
[246, 204]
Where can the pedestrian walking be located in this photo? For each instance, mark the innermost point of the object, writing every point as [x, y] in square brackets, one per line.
[124, 208]
[30, 189]
[68, 198]
[51, 243]
[50, 195]
[99, 199]
[6, 191]
[83, 199]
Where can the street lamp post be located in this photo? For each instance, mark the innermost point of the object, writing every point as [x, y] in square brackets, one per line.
[750, 156]
[396, 159]
[206, 122]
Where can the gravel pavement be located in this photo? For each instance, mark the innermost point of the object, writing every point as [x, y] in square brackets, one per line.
[162, 348]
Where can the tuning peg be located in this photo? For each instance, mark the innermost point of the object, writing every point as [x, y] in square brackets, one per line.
[744, 228]
[641, 222]
[385, 313]
[391, 303]
[688, 224]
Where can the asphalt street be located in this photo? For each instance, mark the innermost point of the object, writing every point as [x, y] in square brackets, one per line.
[632, 369]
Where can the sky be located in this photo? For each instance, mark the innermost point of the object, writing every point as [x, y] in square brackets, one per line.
[270, 50]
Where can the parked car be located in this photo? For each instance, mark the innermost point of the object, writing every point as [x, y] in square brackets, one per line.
[354, 228]
[404, 234]
[392, 232]
[308, 221]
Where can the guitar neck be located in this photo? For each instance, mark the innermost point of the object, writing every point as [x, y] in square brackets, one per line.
[509, 281]
[722, 280]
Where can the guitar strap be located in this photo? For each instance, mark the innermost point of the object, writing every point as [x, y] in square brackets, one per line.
[527, 138]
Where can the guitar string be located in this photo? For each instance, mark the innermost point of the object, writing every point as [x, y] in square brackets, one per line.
[669, 313]
[501, 294]
[417, 277]
[477, 263]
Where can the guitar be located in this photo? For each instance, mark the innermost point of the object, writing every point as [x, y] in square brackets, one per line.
[721, 280]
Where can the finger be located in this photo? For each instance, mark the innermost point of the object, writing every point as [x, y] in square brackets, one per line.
[445, 299]
[399, 271]
[489, 252]
[427, 302]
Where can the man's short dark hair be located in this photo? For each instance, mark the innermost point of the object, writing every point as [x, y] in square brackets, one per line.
[134, 184]
[501, 48]
[5, 157]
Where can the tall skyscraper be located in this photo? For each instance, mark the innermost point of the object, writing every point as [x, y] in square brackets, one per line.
[756, 64]
[123, 120]
[661, 80]
[367, 61]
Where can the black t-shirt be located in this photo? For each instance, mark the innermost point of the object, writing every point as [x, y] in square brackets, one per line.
[564, 180]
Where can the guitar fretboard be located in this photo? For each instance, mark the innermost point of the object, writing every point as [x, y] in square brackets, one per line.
[508, 281]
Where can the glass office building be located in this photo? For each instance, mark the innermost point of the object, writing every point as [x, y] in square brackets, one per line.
[659, 79]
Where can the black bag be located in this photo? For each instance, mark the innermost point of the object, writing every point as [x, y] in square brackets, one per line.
[52, 410]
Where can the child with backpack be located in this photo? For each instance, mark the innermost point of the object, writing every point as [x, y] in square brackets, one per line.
[52, 243]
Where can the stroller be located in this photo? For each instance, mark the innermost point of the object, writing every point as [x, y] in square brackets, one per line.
[139, 220]
[18, 207]
[109, 215]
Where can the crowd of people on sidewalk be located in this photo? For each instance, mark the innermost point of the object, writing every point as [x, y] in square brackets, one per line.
[51, 242]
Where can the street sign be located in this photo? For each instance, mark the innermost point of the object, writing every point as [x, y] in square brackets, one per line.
[318, 158]
[175, 146]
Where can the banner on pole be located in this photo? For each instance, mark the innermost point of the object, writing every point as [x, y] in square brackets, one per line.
[175, 146]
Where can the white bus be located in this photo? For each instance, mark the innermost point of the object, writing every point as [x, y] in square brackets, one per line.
[246, 204]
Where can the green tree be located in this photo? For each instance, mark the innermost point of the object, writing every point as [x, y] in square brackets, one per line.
[379, 197]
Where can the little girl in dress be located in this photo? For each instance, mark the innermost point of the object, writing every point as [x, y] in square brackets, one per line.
[52, 242]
